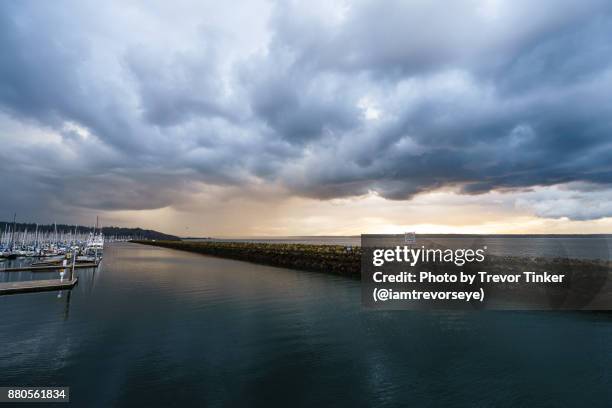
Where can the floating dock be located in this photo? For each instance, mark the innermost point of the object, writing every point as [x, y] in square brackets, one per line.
[48, 268]
[10, 288]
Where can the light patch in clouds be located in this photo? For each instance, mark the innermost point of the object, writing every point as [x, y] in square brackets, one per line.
[370, 109]
[573, 202]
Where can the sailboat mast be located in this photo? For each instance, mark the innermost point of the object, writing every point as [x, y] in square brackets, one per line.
[13, 231]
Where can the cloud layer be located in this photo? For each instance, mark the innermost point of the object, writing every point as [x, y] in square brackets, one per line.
[112, 106]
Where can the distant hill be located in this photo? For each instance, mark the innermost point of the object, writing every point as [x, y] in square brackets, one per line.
[134, 233]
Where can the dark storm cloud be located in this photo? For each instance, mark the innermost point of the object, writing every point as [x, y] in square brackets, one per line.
[403, 38]
[543, 74]
[298, 104]
[396, 98]
[31, 67]
[176, 87]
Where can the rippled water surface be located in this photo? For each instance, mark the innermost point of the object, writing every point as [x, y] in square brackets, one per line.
[158, 327]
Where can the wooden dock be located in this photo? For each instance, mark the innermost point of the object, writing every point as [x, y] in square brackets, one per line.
[48, 268]
[10, 288]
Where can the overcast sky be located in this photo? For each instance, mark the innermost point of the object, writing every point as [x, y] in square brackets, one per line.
[279, 118]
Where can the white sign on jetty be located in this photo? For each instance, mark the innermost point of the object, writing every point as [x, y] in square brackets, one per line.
[410, 238]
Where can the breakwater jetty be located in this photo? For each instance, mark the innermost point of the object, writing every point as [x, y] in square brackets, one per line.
[333, 259]
[336, 259]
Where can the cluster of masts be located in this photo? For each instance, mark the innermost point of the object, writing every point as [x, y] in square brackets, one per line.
[36, 238]
[38, 243]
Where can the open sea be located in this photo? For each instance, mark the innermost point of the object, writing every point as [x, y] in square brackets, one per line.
[156, 327]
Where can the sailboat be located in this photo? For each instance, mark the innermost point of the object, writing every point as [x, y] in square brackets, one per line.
[94, 247]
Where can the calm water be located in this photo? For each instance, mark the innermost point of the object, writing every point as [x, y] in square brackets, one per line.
[157, 327]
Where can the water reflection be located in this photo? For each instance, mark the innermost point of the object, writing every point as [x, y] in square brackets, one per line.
[157, 327]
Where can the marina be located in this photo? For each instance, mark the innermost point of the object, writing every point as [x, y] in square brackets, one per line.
[45, 251]
[52, 243]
